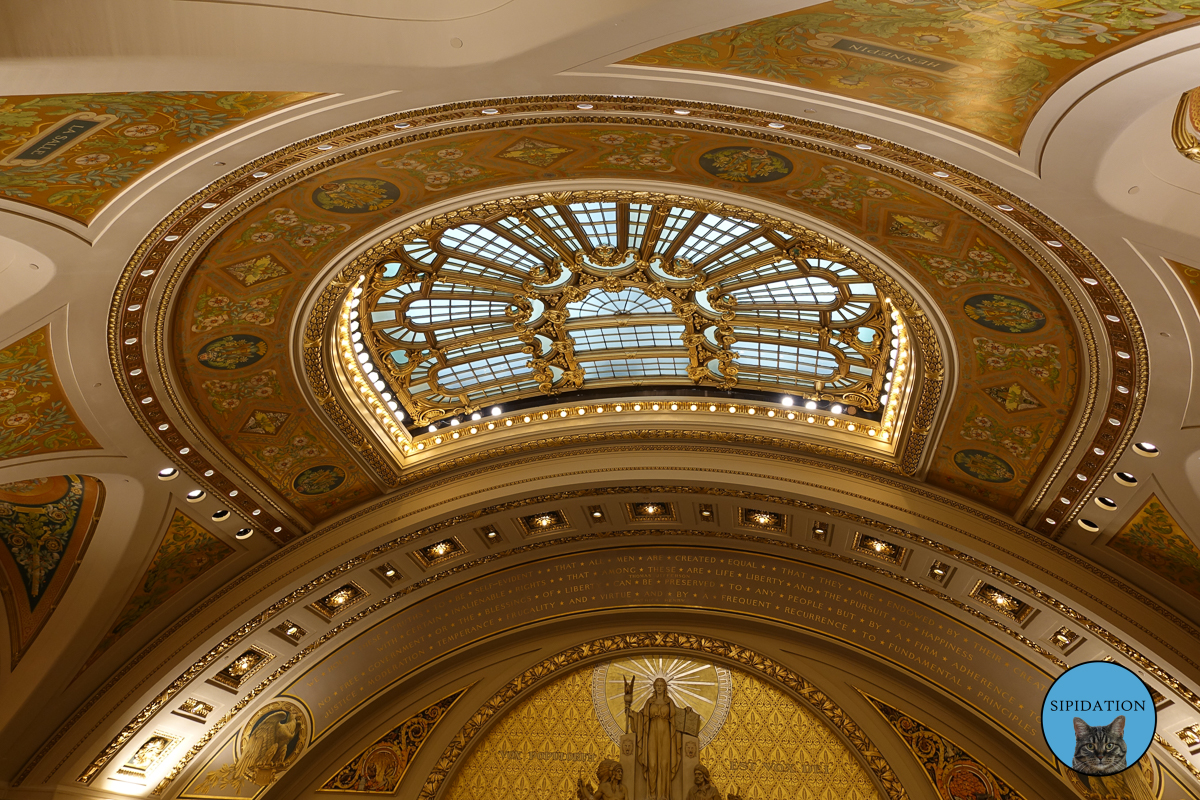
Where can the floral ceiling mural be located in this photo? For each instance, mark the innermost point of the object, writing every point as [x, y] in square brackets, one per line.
[1155, 540]
[35, 415]
[45, 527]
[1017, 383]
[185, 552]
[985, 66]
[72, 154]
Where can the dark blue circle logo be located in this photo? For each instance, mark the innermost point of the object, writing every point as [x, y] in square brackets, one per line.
[1099, 718]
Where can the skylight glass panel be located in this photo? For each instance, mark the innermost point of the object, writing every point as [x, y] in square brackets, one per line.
[478, 348]
[485, 370]
[458, 265]
[486, 243]
[523, 233]
[445, 335]
[637, 368]
[676, 221]
[806, 291]
[639, 218]
[788, 359]
[550, 216]
[743, 252]
[627, 337]
[711, 235]
[849, 311]
[598, 221]
[442, 309]
[397, 294]
[629, 300]
[419, 251]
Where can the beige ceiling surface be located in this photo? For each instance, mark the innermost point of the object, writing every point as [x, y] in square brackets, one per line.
[167, 599]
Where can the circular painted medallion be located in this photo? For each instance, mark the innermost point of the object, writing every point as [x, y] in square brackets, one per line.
[745, 164]
[356, 195]
[984, 466]
[271, 742]
[1000, 312]
[232, 352]
[319, 479]
[704, 686]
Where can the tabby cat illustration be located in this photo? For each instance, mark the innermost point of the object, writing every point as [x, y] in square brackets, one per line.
[1099, 749]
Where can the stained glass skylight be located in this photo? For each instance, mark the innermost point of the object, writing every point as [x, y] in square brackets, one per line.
[538, 299]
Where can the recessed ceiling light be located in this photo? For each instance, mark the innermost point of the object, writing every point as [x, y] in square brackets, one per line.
[134, 307]
[1125, 479]
[260, 174]
[168, 474]
[776, 125]
[1054, 243]
[940, 174]
[584, 106]
[324, 147]
[1088, 525]
[489, 111]
[861, 146]
[220, 515]
[1004, 207]
[171, 238]
[402, 125]
[1107, 503]
[683, 112]
[196, 495]
[1145, 449]
[208, 205]
[244, 533]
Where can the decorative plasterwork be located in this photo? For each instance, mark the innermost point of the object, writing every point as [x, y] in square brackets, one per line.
[996, 575]
[666, 643]
[1186, 125]
[1123, 334]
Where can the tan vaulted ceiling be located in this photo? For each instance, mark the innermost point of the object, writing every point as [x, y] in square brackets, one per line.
[394, 369]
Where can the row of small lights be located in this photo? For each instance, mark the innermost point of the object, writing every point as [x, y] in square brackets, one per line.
[1127, 479]
[221, 514]
[894, 378]
[437, 436]
[356, 359]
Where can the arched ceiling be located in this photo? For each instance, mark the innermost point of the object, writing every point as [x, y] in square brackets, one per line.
[213, 521]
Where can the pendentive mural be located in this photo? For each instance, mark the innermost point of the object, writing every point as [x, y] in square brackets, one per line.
[985, 66]
[954, 773]
[1018, 381]
[380, 768]
[1153, 539]
[671, 727]
[46, 525]
[72, 154]
[185, 552]
[35, 415]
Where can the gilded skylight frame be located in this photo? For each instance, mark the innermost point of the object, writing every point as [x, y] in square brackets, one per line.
[906, 416]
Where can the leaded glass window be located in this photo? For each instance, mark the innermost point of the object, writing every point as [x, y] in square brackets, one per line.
[537, 300]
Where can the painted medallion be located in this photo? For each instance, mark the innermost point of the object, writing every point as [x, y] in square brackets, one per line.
[232, 352]
[746, 164]
[356, 195]
[1001, 312]
[319, 479]
[984, 466]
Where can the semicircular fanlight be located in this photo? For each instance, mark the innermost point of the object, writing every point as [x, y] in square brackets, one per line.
[575, 296]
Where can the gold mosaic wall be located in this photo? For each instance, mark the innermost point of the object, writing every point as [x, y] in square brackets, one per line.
[771, 747]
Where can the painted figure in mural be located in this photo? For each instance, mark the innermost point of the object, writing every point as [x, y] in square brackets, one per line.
[659, 744]
[704, 789]
[608, 777]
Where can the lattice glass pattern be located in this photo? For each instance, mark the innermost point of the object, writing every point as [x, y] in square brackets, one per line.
[559, 297]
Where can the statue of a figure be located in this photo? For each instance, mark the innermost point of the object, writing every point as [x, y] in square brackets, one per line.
[659, 744]
[608, 778]
[704, 789]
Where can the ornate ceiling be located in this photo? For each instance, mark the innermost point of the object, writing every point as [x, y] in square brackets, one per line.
[831, 364]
